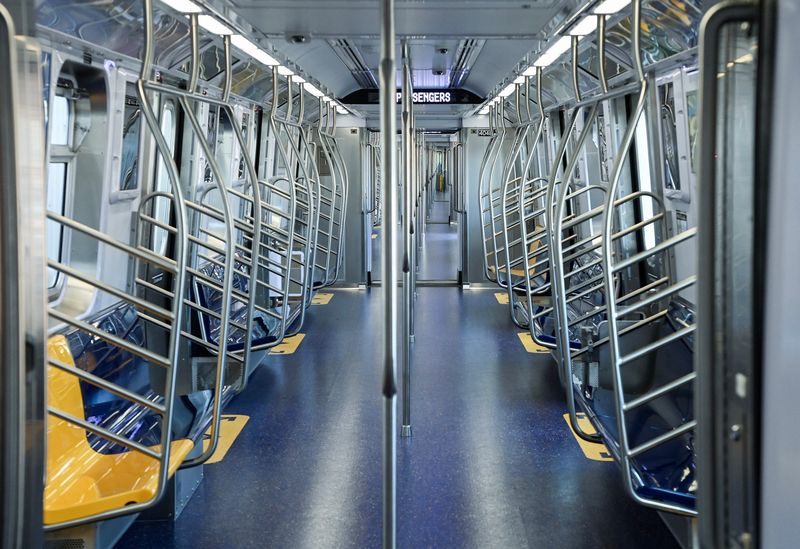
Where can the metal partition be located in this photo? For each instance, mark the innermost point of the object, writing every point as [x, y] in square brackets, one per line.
[650, 298]
[209, 227]
[287, 134]
[520, 200]
[486, 196]
[327, 137]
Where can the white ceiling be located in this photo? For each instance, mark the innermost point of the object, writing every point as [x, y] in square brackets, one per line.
[510, 30]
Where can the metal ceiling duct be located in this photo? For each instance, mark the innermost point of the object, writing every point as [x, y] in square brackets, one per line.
[468, 51]
[350, 55]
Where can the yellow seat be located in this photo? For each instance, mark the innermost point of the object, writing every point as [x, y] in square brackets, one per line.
[80, 481]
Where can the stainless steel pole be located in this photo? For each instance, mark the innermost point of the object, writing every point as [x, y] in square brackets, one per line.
[389, 269]
[405, 429]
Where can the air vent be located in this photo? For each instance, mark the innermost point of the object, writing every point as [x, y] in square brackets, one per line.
[466, 54]
[350, 55]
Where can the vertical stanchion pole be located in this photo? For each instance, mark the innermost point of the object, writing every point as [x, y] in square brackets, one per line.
[408, 224]
[389, 269]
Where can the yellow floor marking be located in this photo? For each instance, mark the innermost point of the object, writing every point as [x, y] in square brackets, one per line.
[229, 429]
[321, 299]
[530, 345]
[501, 297]
[596, 451]
[289, 345]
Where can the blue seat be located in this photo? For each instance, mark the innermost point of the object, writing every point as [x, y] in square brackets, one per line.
[666, 472]
[119, 366]
[264, 326]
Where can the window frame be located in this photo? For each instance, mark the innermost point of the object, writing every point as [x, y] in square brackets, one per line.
[116, 194]
[61, 154]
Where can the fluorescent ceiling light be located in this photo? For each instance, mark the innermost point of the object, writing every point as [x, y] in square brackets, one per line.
[508, 90]
[283, 71]
[519, 79]
[214, 26]
[341, 110]
[310, 88]
[183, 6]
[484, 110]
[326, 99]
[496, 100]
[585, 26]
[609, 7]
[299, 79]
[252, 50]
[530, 71]
[553, 52]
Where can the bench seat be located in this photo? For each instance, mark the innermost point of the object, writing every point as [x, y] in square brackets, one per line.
[80, 481]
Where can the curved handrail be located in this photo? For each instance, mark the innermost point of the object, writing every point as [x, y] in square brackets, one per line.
[487, 154]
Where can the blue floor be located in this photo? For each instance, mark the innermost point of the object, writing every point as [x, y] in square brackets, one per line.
[491, 462]
[438, 259]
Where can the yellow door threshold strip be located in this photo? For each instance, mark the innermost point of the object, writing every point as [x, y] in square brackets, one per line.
[530, 345]
[501, 297]
[289, 345]
[321, 299]
[230, 428]
[595, 451]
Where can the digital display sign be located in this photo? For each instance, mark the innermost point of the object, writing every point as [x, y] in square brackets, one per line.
[452, 96]
[428, 97]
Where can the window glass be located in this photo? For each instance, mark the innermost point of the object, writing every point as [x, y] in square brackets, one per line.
[130, 140]
[60, 121]
[669, 137]
[645, 184]
[162, 204]
[691, 113]
[56, 193]
[46, 88]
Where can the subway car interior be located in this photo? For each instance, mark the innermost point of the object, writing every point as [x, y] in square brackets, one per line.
[415, 273]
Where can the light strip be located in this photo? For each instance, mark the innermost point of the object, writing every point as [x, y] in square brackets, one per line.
[520, 79]
[530, 71]
[310, 88]
[283, 71]
[508, 90]
[183, 6]
[585, 26]
[214, 26]
[484, 110]
[553, 52]
[252, 50]
[609, 7]
[341, 110]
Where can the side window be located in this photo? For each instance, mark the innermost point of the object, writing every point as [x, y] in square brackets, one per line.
[56, 195]
[60, 124]
[131, 130]
[60, 121]
[162, 204]
[669, 136]
[645, 183]
[691, 112]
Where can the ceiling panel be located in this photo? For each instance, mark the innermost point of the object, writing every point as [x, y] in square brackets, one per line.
[495, 33]
[428, 18]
